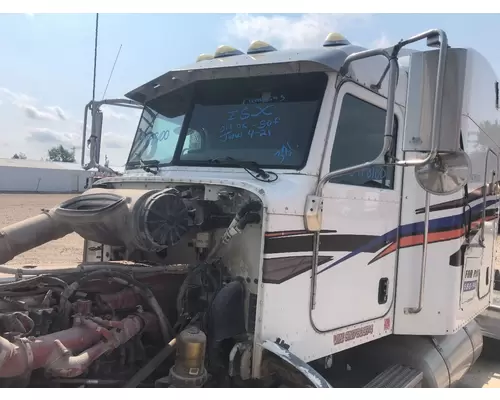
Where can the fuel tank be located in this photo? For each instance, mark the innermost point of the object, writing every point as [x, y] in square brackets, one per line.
[443, 360]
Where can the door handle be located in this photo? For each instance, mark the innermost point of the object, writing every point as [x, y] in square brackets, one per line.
[383, 292]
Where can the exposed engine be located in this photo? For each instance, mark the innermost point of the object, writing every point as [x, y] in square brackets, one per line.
[169, 309]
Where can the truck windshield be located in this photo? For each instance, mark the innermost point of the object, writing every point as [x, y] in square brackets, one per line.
[269, 120]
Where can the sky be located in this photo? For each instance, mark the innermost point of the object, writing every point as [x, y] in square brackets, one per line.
[47, 61]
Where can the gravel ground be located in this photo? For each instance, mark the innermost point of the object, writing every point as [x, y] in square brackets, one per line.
[17, 207]
[68, 251]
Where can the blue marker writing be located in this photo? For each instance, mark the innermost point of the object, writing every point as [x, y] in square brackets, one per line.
[284, 152]
[263, 110]
[161, 136]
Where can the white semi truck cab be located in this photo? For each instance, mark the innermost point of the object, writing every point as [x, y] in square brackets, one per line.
[323, 218]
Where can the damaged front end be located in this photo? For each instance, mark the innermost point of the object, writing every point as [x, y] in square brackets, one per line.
[174, 306]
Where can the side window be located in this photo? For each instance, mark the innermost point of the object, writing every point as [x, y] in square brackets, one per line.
[359, 139]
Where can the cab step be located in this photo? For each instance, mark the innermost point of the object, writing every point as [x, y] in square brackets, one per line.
[397, 376]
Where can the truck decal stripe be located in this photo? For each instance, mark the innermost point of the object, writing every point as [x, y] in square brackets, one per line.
[280, 269]
[444, 224]
[471, 197]
[433, 237]
[281, 242]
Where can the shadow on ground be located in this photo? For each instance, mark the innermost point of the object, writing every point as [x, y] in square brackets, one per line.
[486, 372]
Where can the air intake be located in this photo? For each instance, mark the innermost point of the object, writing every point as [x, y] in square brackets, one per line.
[162, 221]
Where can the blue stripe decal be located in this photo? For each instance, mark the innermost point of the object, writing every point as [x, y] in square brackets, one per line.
[439, 224]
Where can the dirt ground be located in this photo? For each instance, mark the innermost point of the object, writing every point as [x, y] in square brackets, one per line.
[68, 251]
[17, 207]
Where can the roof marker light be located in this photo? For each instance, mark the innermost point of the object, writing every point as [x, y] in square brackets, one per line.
[226, 51]
[203, 57]
[335, 39]
[258, 46]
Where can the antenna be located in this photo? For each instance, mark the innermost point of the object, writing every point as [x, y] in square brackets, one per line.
[95, 54]
[112, 70]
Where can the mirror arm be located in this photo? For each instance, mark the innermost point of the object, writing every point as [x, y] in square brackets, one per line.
[436, 118]
[389, 120]
[96, 131]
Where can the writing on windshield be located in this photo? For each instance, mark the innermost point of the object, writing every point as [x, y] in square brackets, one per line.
[156, 138]
[253, 121]
[268, 120]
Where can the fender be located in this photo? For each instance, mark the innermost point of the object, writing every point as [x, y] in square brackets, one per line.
[300, 366]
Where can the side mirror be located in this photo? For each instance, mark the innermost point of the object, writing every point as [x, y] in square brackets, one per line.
[96, 132]
[426, 114]
[446, 174]
[421, 96]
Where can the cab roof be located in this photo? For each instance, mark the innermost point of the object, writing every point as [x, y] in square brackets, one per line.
[321, 59]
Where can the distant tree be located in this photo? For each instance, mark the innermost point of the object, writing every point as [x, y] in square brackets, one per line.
[59, 153]
[19, 156]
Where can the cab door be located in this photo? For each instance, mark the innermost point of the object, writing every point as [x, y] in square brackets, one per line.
[489, 219]
[357, 258]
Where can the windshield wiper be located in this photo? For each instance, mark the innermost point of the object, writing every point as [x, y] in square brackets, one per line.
[145, 165]
[248, 166]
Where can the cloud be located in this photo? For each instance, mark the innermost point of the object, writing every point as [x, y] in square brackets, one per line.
[34, 113]
[26, 103]
[307, 30]
[111, 140]
[383, 41]
[126, 115]
[80, 125]
[16, 98]
[59, 112]
[54, 113]
[51, 137]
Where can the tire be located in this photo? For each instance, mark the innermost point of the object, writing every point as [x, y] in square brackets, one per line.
[496, 282]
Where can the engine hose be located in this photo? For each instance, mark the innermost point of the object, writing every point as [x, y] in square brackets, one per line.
[80, 381]
[151, 366]
[90, 267]
[200, 269]
[23, 317]
[35, 280]
[32, 292]
[165, 327]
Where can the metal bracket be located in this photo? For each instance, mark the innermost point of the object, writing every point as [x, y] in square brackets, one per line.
[313, 213]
